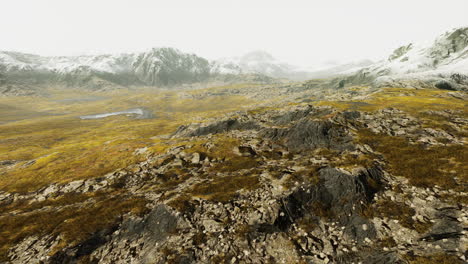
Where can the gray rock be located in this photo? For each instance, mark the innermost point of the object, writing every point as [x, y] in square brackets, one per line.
[307, 134]
[339, 194]
[222, 126]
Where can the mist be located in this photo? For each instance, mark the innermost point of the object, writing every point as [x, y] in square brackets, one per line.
[304, 33]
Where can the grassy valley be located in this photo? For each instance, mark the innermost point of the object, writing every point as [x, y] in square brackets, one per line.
[48, 142]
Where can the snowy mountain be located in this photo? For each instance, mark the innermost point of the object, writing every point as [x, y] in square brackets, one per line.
[157, 67]
[443, 61]
[445, 56]
[24, 74]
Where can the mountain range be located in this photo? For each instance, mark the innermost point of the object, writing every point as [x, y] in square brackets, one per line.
[168, 67]
[156, 67]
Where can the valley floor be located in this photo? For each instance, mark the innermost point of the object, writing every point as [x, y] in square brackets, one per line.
[286, 173]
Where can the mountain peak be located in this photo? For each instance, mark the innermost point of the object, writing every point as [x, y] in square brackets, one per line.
[258, 55]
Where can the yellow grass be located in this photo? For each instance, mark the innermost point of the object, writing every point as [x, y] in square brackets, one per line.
[66, 148]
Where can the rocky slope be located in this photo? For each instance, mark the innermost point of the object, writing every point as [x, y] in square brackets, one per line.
[286, 184]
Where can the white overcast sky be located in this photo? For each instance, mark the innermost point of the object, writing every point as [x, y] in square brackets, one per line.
[301, 32]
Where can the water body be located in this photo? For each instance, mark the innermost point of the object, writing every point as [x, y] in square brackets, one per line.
[138, 113]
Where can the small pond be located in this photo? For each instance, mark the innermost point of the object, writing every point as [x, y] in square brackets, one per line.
[138, 113]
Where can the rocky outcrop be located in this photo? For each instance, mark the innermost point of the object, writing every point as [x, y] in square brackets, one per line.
[297, 114]
[338, 195]
[308, 134]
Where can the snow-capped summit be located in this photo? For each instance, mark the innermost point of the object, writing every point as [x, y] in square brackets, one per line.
[259, 62]
[447, 54]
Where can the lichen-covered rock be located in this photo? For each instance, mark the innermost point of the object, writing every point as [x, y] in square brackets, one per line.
[307, 134]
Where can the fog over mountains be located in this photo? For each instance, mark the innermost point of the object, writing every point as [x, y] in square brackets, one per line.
[169, 67]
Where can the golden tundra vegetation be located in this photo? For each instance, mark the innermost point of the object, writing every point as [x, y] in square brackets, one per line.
[51, 144]
[66, 148]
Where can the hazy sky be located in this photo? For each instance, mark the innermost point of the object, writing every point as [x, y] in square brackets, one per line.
[302, 32]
